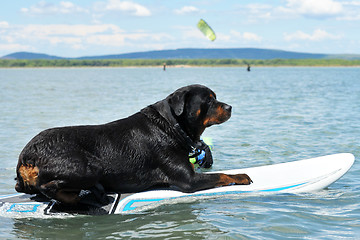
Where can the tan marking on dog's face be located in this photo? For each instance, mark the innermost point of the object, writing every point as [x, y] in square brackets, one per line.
[212, 95]
[220, 116]
[198, 113]
[29, 174]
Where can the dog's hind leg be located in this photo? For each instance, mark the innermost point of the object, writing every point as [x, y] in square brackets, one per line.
[56, 190]
[99, 193]
[27, 179]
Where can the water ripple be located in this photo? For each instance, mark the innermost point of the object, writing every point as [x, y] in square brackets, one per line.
[279, 115]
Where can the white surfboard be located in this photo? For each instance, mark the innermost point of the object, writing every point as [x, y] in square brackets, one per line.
[291, 177]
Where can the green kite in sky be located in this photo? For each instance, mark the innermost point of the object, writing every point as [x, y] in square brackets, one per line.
[206, 30]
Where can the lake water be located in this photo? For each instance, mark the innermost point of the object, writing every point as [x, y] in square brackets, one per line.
[279, 115]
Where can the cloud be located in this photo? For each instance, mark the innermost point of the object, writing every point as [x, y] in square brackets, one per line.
[72, 36]
[251, 37]
[14, 47]
[81, 30]
[67, 7]
[4, 24]
[317, 35]
[352, 11]
[186, 10]
[80, 36]
[319, 9]
[246, 36]
[311, 8]
[189, 32]
[258, 10]
[122, 39]
[45, 8]
[131, 8]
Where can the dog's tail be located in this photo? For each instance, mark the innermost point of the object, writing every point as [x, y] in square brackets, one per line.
[27, 178]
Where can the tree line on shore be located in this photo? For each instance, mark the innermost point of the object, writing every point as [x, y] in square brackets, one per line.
[9, 63]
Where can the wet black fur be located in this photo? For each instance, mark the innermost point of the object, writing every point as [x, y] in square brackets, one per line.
[128, 155]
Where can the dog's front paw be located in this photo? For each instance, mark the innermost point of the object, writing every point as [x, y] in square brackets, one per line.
[242, 179]
[237, 179]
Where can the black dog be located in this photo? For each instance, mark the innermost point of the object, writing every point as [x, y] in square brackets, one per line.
[146, 150]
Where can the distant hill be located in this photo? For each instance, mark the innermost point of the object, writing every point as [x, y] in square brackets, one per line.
[29, 55]
[211, 53]
[198, 53]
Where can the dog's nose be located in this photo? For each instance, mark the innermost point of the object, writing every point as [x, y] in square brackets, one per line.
[227, 108]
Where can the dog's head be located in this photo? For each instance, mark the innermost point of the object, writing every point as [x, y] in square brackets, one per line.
[196, 107]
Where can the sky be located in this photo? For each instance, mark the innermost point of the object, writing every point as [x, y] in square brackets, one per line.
[78, 28]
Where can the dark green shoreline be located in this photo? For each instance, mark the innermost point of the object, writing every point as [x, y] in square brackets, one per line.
[10, 63]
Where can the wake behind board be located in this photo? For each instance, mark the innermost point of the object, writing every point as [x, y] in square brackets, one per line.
[292, 177]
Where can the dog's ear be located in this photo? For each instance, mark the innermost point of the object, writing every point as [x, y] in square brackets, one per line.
[176, 101]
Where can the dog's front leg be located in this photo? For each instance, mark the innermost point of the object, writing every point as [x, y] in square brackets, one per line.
[190, 181]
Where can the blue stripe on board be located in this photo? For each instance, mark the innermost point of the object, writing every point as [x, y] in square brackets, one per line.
[11, 195]
[129, 206]
[23, 207]
[282, 188]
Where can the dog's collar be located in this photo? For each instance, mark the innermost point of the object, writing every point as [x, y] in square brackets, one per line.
[195, 146]
[192, 146]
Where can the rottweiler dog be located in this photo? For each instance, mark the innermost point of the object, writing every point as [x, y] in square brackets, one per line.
[146, 150]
